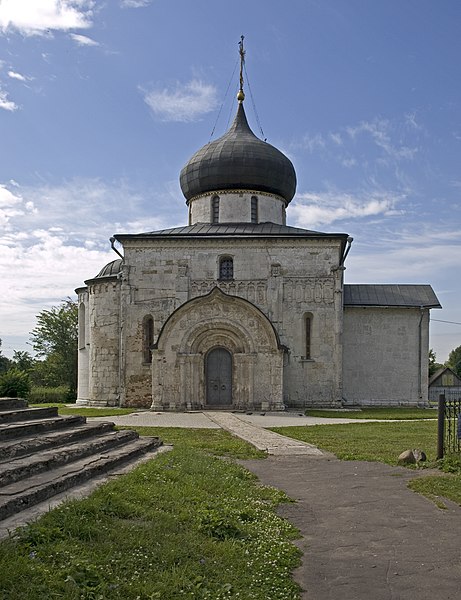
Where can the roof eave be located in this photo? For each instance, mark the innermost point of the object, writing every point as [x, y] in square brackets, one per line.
[364, 305]
[105, 279]
[153, 236]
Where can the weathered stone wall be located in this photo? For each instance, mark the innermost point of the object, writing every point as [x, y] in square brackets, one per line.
[284, 278]
[385, 355]
[104, 340]
[235, 207]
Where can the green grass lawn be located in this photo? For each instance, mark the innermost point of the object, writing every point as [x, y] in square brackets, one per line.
[185, 525]
[381, 442]
[376, 413]
[211, 441]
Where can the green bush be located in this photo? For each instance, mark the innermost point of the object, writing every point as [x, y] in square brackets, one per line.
[42, 394]
[14, 384]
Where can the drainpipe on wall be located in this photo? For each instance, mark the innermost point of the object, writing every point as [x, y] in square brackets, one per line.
[349, 244]
[112, 245]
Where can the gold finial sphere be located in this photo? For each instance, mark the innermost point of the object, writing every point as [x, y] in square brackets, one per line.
[240, 96]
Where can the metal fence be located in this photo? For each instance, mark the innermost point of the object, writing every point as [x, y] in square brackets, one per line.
[449, 426]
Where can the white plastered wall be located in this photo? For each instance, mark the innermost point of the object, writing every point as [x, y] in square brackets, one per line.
[385, 355]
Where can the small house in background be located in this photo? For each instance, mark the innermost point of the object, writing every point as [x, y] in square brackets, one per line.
[444, 381]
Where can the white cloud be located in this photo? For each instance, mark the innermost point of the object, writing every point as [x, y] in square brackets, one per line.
[185, 103]
[411, 122]
[83, 40]
[315, 142]
[134, 3]
[40, 17]
[7, 198]
[52, 238]
[5, 103]
[17, 76]
[380, 132]
[402, 260]
[373, 144]
[349, 162]
[336, 138]
[317, 209]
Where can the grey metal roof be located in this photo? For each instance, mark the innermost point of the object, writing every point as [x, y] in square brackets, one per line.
[238, 160]
[232, 230]
[112, 269]
[390, 295]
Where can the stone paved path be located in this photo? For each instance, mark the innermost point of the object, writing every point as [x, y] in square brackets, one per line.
[269, 441]
[196, 420]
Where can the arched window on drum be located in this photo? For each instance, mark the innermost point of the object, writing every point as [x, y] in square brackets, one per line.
[254, 209]
[215, 209]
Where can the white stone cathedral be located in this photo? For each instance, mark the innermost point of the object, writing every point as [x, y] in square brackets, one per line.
[239, 311]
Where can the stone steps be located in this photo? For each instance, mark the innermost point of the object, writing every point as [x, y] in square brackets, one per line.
[51, 439]
[26, 466]
[27, 414]
[12, 403]
[42, 454]
[13, 431]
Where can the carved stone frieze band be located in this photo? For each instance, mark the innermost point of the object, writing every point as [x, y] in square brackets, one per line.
[308, 289]
[254, 291]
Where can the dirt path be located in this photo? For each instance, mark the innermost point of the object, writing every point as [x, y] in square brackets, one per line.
[366, 536]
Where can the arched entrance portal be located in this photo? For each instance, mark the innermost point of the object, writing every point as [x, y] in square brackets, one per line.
[218, 373]
[217, 351]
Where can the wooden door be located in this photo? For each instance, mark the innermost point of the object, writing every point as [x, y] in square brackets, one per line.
[219, 377]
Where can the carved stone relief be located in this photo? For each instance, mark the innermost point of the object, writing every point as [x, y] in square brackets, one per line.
[309, 289]
[254, 291]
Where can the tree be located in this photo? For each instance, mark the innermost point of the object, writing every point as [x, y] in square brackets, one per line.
[14, 384]
[23, 360]
[454, 360]
[55, 338]
[5, 362]
[433, 364]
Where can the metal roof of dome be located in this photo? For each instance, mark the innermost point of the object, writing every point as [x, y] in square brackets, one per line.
[239, 160]
[111, 269]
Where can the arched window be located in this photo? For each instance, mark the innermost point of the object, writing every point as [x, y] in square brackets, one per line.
[308, 336]
[147, 338]
[254, 209]
[81, 326]
[226, 268]
[215, 209]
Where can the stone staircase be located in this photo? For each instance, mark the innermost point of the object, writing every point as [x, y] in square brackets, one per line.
[43, 454]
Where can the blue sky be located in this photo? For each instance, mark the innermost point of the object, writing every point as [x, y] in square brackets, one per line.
[103, 101]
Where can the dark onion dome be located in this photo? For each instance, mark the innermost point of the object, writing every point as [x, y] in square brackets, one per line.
[239, 160]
